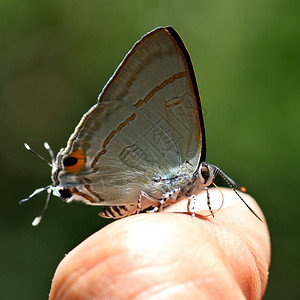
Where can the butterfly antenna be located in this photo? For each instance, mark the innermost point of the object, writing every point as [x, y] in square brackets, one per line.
[38, 219]
[232, 184]
[36, 192]
[42, 158]
[48, 148]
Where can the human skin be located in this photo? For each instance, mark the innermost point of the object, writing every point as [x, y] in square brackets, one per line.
[171, 256]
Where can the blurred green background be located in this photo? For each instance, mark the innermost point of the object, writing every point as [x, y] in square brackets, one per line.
[57, 55]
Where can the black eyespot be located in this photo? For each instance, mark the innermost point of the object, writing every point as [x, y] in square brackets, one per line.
[70, 161]
[65, 193]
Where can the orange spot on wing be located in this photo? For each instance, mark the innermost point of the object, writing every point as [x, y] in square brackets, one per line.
[79, 165]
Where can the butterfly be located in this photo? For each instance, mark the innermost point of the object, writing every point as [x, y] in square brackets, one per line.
[143, 144]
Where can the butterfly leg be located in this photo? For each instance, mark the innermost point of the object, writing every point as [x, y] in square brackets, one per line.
[146, 201]
[191, 205]
[168, 198]
[208, 202]
[159, 206]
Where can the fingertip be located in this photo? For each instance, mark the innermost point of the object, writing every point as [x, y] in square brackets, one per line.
[149, 254]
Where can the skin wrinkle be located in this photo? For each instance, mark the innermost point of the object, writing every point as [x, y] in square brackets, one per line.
[259, 263]
[250, 275]
[256, 276]
[139, 272]
[102, 264]
[154, 291]
[167, 288]
[222, 287]
[66, 283]
[71, 280]
[140, 288]
[225, 236]
[230, 236]
[194, 281]
[259, 260]
[219, 267]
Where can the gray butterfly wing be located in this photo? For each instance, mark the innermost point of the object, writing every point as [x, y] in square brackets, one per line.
[145, 126]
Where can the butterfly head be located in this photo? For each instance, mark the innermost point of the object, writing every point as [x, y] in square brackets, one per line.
[69, 164]
[207, 173]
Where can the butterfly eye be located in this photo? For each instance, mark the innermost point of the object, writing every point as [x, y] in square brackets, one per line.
[70, 161]
[205, 173]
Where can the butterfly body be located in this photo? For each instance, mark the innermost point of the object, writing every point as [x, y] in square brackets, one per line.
[143, 135]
